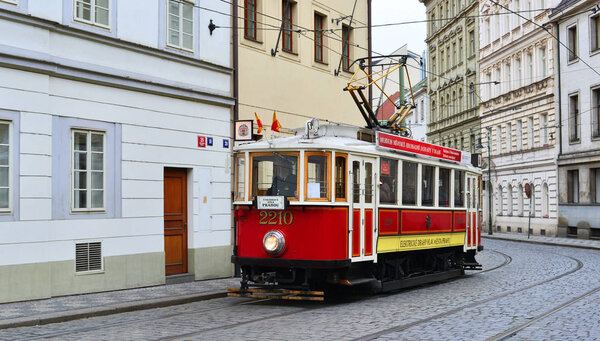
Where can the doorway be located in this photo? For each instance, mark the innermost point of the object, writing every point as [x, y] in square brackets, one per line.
[175, 220]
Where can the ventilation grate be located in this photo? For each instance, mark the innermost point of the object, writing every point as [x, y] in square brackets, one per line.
[88, 257]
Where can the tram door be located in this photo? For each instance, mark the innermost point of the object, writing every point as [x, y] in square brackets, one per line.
[472, 212]
[362, 216]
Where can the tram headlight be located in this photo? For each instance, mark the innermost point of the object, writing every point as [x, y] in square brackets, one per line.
[274, 242]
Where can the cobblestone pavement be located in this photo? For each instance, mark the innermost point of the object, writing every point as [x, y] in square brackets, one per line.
[482, 305]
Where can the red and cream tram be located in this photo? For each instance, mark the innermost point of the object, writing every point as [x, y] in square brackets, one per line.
[338, 205]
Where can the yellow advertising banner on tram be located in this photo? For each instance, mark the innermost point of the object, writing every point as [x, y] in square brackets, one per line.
[419, 242]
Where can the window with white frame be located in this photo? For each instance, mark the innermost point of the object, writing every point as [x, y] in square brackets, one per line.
[529, 70]
[544, 129]
[507, 75]
[530, 132]
[88, 170]
[95, 12]
[542, 66]
[572, 42]
[5, 166]
[595, 32]
[517, 73]
[509, 136]
[519, 135]
[180, 24]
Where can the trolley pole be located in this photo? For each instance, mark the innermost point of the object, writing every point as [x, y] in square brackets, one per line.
[490, 232]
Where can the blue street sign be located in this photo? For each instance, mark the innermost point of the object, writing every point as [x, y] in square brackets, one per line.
[225, 143]
[209, 141]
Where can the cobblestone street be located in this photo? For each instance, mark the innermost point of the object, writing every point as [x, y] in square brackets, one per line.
[525, 291]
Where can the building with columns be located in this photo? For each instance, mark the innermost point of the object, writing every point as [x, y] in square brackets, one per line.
[518, 115]
[452, 67]
[578, 105]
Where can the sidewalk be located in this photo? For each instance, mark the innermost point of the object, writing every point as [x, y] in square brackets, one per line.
[66, 308]
[522, 237]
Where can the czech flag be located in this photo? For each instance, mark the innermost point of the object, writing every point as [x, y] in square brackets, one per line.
[275, 126]
[259, 123]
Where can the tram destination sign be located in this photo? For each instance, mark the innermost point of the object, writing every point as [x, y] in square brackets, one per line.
[403, 144]
[270, 203]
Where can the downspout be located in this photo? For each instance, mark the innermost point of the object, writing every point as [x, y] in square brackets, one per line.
[559, 91]
[370, 51]
[235, 62]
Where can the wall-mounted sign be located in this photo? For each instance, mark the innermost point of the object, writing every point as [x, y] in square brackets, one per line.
[243, 130]
[202, 141]
[225, 143]
[209, 141]
[402, 144]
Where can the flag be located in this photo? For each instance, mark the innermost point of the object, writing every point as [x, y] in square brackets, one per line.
[259, 123]
[275, 126]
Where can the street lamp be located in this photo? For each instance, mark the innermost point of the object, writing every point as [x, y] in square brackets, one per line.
[489, 187]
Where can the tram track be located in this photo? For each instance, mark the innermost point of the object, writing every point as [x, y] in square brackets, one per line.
[507, 260]
[513, 331]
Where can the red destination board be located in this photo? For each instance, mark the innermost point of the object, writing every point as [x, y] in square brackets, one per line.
[403, 144]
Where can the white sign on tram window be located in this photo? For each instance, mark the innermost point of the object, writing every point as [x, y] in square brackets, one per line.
[270, 203]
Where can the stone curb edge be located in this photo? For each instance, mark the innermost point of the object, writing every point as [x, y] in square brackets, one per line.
[65, 316]
[544, 243]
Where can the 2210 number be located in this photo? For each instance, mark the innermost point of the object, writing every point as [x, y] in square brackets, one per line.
[276, 218]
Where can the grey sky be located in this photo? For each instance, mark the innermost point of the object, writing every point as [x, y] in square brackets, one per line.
[388, 39]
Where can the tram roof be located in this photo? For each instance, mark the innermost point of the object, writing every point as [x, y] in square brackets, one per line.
[339, 138]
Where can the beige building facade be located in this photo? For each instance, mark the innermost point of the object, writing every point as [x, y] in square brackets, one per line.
[299, 71]
[518, 119]
[452, 56]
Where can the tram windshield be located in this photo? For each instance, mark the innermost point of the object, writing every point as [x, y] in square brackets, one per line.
[275, 173]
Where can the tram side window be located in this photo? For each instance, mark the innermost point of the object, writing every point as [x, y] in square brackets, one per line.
[409, 183]
[240, 166]
[317, 175]
[356, 181]
[427, 185]
[275, 174]
[340, 178]
[444, 188]
[459, 188]
[388, 185]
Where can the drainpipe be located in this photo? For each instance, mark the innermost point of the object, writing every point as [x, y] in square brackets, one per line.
[235, 61]
[559, 92]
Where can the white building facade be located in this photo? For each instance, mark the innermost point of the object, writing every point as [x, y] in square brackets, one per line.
[416, 119]
[579, 107]
[115, 118]
[518, 118]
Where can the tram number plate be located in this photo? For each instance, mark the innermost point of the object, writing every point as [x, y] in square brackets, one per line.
[276, 218]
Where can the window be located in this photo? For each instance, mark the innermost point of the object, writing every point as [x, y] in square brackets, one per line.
[442, 106]
[472, 95]
[319, 37]
[595, 185]
[346, 42]
[529, 70]
[473, 145]
[274, 174]
[595, 112]
[545, 201]
[488, 32]
[572, 42]
[453, 108]
[95, 12]
[509, 136]
[340, 177]
[498, 78]
[518, 72]
[441, 61]
[500, 203]
[288, 26]
[433, 117]
[516, 18]
[427, 183]
[499, 139]
[542, 68]
[532, 201]
[448, 64]
[388, 184]
[506, 22]
[88, 168]
[444, 187]
[460, 50]
[240, 176]
[595, 33]
[573, 186]
[519, 135]
[180, 25]
[574, 118]
[460, 99]
[472, 42]
[454, 60]
[316, 172]
[409, 183]
[530, 132]
[507, 80]
[459, 188]
[250, 19]
[509, 200]
[520, 200]
[544, 129]
[5, 166]
[488, 81]
[433, 66]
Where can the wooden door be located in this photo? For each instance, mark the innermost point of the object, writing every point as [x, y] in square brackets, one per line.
[175, 208]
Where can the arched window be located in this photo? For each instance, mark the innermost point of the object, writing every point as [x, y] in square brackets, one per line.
[500, 203]
[520, 200]
[442, 107]
[545, 201]
[509, 200]
[448, 112]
